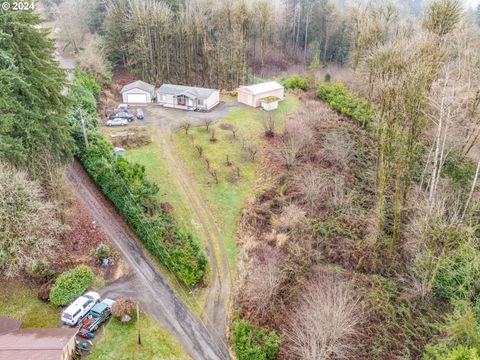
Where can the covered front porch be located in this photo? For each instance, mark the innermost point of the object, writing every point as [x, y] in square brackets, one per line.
[186, 102]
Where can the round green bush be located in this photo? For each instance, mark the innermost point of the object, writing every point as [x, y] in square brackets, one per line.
[70, 285]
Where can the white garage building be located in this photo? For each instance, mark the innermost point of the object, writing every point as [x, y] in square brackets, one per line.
[138, 92]
[252, 95]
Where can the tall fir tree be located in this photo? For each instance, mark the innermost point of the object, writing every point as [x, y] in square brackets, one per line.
[34, 131]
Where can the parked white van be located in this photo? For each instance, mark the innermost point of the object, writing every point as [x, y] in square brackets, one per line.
[79, 308]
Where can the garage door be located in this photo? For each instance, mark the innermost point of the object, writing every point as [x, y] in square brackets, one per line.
[136, 98]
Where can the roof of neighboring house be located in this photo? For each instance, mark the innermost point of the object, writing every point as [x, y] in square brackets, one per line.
[8, 325]
[139, 84]
[192, 92]
[39, 344]
[262, 87]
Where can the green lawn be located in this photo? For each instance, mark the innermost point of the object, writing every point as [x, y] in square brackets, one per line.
[226, 199]
[119, 341]
[20, 302]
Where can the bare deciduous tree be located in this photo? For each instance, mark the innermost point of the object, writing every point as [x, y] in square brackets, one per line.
[185, 125]
[269, 121]
[207, 122]
[326, 322]
[199, 149]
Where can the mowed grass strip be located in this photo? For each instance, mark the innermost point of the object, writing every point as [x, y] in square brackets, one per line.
[20, 302]
[226, 199]
[119, 341]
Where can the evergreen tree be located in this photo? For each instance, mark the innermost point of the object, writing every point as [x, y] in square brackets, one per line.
[34, 131]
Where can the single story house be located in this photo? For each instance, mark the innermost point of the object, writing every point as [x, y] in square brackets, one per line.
[252, 95]
[138, 92]
[41, 344]
[187, 97]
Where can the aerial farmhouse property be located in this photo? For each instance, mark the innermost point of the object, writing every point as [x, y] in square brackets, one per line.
[263, 94]
[187, 97]
[138, 92]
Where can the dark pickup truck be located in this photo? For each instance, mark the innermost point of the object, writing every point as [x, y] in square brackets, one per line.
[95, 317]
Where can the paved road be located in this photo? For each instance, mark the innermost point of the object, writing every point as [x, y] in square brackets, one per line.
[146, 283]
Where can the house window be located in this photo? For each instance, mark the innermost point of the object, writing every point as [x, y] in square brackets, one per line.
[181, 100]
[200, 102]
[163, 97]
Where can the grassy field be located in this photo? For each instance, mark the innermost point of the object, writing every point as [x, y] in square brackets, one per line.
[226, 198]
[18, 301]
[157, 170]
[119, 341]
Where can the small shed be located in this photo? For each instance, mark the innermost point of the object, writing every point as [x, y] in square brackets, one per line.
[252, 95]
[138, 92]
[187, 97]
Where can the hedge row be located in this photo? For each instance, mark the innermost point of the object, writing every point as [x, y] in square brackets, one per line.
[70, 285]
[346, 103]
[127, 187]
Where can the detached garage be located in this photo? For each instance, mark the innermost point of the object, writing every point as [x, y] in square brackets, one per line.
[138, 92]
[254, 94]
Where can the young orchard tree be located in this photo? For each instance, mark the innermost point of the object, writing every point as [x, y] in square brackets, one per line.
[207, 122]
[186, 126]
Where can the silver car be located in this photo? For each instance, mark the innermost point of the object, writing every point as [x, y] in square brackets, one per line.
[117, 122]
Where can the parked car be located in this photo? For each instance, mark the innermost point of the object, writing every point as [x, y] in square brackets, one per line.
[140, 115]
[117, 122]
[79, 308]
[121, 115]
[123, 107]
[96, 316]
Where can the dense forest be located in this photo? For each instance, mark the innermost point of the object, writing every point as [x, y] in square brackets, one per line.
[221, 43]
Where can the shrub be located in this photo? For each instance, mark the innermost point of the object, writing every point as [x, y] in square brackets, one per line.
[254, 344]
[102, 252]
[124, 306]
[40, 269]
[70, 285]
[346, 103]
[295, 82]
[328, 77]
[458, 274]
[459, 352]
[458, 169]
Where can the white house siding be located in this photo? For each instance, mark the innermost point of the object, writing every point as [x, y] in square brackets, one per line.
[245, 97]
[212, 100]
[171, 101]
[136, 99]
[168, 101]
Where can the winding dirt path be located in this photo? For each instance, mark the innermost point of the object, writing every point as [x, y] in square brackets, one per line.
[146, 283]
[215, 311]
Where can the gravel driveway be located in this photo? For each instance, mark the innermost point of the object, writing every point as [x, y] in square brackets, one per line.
[146, 283]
